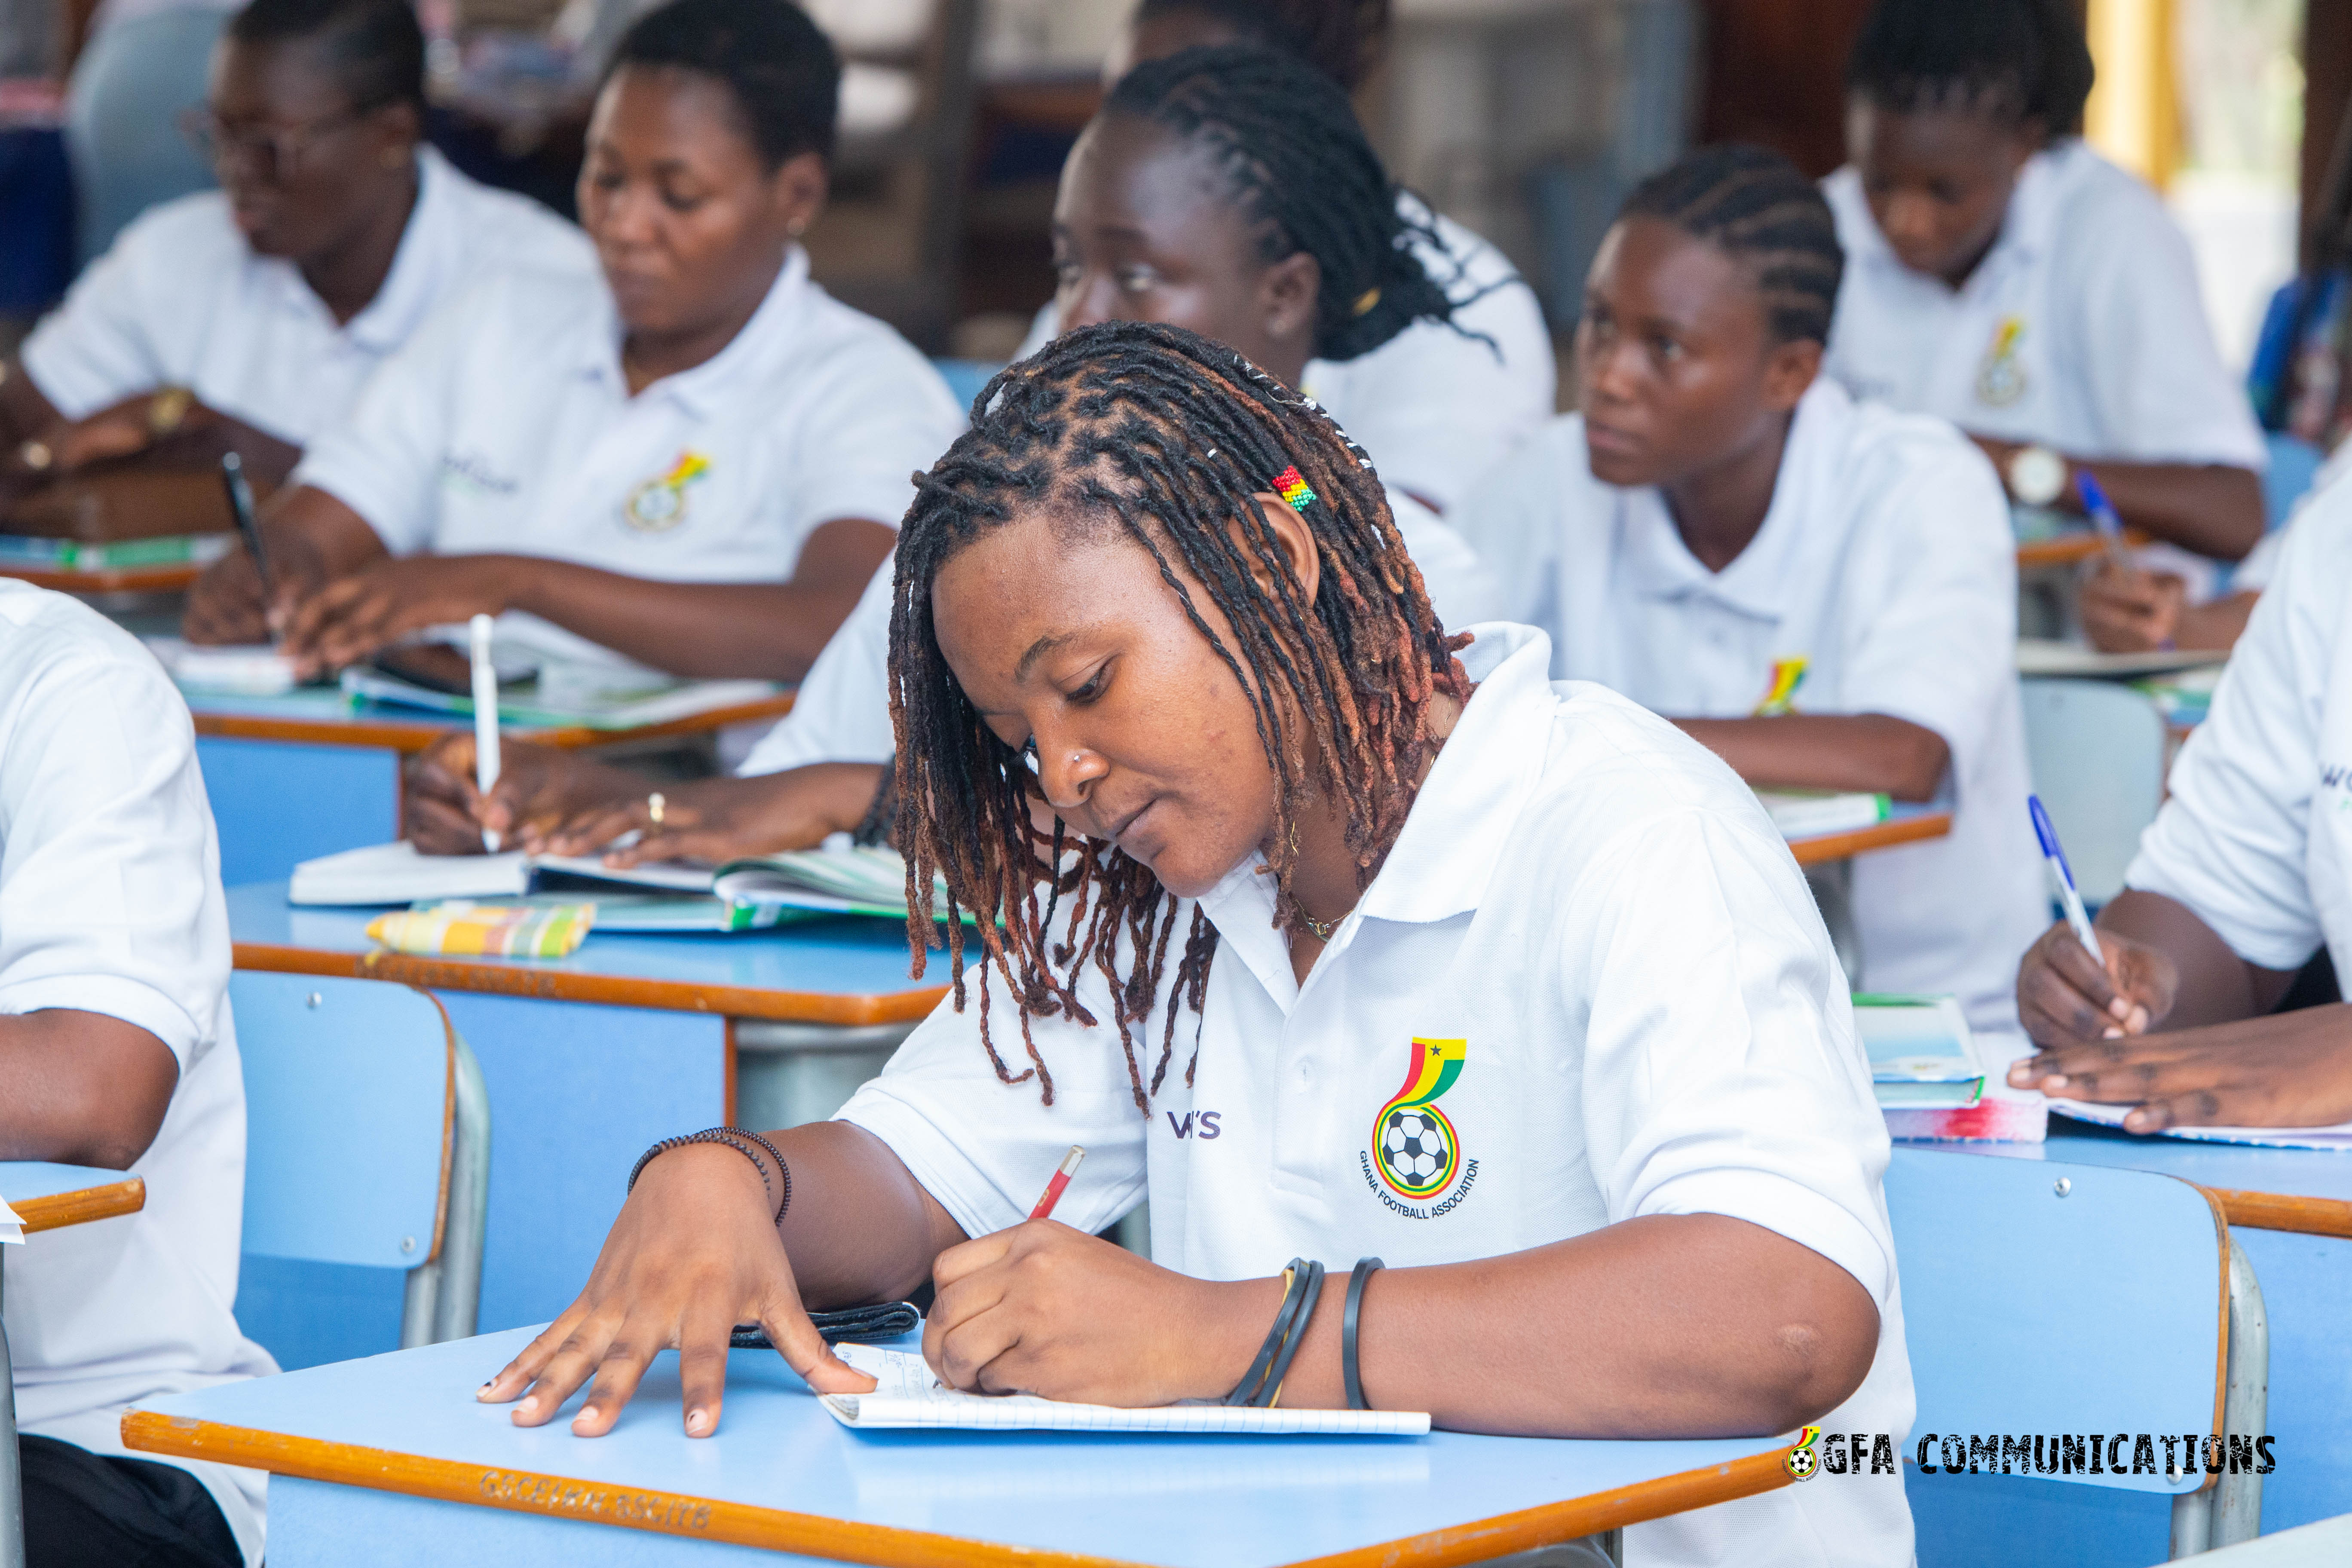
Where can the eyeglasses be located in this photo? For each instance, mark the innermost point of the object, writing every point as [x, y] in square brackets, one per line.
[272, 153]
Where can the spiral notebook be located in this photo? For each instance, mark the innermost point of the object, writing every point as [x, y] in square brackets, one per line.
[909, 1395]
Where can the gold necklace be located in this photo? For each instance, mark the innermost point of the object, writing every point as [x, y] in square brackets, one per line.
[1322, 929]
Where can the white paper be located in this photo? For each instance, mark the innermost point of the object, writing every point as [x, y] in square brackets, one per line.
[908, 1396]
[255, 669]
[2337, 1138]
[12, 1226]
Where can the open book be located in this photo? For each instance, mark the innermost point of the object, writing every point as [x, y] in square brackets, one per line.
[857, 881]
[2337, 1138]
[909, 1395]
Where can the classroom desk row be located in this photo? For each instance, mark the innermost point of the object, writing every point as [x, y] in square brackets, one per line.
[313, 771]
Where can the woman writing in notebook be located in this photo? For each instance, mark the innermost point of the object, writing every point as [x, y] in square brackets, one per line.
[2005, 277]
[692, 462]
[1230, 191]
[2238, 883]
[1309, 844]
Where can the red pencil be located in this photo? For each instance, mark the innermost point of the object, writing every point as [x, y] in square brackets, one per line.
[1062, 1174]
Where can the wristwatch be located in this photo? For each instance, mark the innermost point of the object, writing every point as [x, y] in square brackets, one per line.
[2036, 475]
[167, 409]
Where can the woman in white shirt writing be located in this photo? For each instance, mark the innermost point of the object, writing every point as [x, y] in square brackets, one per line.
[1308, 844]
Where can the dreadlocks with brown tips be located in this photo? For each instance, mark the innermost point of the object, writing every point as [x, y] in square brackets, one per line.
[1168, 439]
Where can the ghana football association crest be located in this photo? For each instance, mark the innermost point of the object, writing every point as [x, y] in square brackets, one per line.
[1415, 1153]
[659, 504]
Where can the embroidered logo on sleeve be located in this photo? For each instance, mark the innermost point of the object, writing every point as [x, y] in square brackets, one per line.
[1803, 1462]
[2001, 380]
[1781, 687]
[659, 504]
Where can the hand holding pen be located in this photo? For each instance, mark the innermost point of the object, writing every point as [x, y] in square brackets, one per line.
[2079, 984]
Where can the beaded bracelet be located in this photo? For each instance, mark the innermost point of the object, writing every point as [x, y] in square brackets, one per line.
[1257, 1386]
[1348, 1378]
[732, 1137]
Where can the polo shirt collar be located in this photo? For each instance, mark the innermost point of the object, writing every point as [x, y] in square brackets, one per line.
[1657, 564]
[1445, 854]
[2027, 229]
[708, 389]
[420, 267]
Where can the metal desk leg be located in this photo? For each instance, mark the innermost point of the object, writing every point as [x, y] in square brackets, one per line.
[12, 1483]
[789, 1074]
[1832, 886]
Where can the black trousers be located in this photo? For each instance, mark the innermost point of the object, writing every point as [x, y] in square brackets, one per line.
[101, 1510]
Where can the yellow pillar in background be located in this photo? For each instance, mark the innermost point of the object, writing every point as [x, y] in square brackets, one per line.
[2134, 115]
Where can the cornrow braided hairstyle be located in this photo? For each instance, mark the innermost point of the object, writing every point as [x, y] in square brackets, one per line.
[1344, 39]
[1166, 438]
[1756, 208]
[1285, 140]
[2020, 59]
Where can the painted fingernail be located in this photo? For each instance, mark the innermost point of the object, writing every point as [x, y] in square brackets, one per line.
[697, 1422]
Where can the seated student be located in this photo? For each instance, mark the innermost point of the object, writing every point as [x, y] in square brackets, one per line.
[1228, 189]
[116, 1050]
[2239, 882]
[1441, 402]
[2005, 277]
[1293, 809]
[248, 318]
[692, 463]
[1823, 591]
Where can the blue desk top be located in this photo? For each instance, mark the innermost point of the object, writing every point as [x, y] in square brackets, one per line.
[994, 1495]
[831, 970]
[49, 1197]
[2321, 1177]
[22, 1180]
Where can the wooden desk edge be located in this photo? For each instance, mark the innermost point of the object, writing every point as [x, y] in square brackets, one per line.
[375, 729]
[2282, 1211]
[742, 1524]
[609, 990]
[58, 1210]
[1878, 835]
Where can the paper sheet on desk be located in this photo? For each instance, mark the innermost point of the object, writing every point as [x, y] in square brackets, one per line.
[2339, 1138]
[909, 1395]
[12, 1226]
[255, 669]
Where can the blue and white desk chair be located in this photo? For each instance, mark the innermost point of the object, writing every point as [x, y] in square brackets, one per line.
[367, 1139]
[2042, 1297]
[2095, 751]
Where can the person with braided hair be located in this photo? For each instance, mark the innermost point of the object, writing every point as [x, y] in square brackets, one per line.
[1820, 590]
[1441, 402]
[1247, 832]
[1228, 189]
[2007, 277]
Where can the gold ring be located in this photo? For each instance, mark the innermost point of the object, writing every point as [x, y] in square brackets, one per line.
[654, 806]
[168, 410]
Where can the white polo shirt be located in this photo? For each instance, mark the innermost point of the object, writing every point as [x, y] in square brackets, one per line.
[1885, 562]
[111, 902]
[178, 299]
[1438, 407]
[841, 710]
[2255, 835]
[1589, 908]
[506, 426]
[2083, 329]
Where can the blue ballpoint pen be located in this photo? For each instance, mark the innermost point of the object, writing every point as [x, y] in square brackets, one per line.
[2102, 512]
[2077, 916]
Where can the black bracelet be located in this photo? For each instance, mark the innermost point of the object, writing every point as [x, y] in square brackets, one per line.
[1294, 1286]
[1298, 1336]
[784, 1172]
[730, 1137]
[1364, 1270]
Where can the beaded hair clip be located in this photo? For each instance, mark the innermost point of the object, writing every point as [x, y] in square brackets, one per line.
[1293, 488]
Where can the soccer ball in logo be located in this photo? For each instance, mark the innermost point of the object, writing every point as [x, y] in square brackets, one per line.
[1802, 1463]
[1416, 1149]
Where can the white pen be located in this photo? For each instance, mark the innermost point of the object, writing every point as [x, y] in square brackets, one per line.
[486, 720]
[2077, 916]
